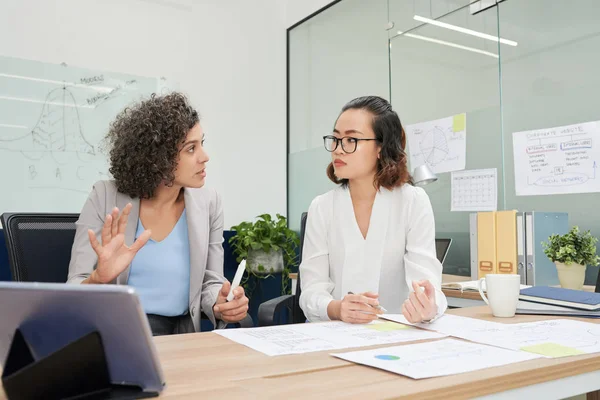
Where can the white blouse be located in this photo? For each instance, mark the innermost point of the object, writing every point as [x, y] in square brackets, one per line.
[399, 248]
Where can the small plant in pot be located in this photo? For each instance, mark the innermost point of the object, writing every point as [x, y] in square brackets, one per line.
[571, 253]
[268, 246]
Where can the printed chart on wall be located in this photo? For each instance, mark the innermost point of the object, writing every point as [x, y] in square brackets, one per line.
[53, 119]
[441, 144]
[557, 160]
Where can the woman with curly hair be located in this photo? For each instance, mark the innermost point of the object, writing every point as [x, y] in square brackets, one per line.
[372, 239]
[167, 240]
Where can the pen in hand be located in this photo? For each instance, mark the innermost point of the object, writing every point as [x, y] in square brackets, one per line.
[379, 307]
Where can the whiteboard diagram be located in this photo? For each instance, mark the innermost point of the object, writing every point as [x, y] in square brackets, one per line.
[441, 144]
[53, 120]
[557, 160]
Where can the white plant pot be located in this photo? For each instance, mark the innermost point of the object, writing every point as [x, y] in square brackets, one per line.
[272, 261]
[571, 276]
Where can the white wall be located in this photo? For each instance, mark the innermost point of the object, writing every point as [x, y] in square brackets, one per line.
[229, 57]
[297, 10]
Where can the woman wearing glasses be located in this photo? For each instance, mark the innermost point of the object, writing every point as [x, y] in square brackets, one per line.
[370, 243]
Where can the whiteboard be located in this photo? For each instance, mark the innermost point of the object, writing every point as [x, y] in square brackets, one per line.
[559, 160]
[53, 119]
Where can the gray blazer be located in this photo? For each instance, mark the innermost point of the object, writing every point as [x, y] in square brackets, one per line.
[205, 229]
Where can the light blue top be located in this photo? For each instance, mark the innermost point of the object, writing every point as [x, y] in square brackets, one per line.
[160, 271]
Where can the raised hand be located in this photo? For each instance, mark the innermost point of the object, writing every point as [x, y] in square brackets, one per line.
[113, 255]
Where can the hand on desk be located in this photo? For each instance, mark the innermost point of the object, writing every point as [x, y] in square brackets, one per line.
[420, 305]
[234, 310]
[114, 256]
[356, 308]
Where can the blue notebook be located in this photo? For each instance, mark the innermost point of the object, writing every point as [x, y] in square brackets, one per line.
[562, 297]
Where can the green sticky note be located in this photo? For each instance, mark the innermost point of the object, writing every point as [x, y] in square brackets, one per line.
[459, 123]
[387, 326]
[552, 350]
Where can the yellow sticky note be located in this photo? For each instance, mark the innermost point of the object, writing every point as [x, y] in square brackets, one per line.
[552, 350]
[387, 326]
[459, 122]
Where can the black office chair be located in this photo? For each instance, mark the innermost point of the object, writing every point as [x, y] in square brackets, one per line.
[271, 312]
[39, 245]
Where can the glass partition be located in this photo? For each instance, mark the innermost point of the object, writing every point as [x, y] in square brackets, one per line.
[439, 59]
[436, 73]
[335, 56]
[551, 80]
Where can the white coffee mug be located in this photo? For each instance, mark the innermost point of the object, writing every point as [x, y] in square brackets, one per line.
[502, 293]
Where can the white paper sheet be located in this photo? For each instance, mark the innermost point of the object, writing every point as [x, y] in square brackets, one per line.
[441, 144]
[475, 190]
[557, 160]
[552, 338]
[448, 324]
[438, 358]
[309, 337]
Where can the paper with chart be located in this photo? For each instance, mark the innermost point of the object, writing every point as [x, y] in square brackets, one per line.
[53, 119]
[309, 337]
[441, 144]
[437, 358]
[475, 190]
[557, 160]
[552, 338]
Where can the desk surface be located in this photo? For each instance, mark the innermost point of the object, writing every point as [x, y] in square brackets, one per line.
[205, 365]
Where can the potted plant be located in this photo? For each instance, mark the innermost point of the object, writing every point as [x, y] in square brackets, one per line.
[571, 253]
[268, 246]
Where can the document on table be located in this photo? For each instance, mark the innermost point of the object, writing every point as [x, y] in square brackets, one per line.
[448, 324]
[309, 337]
[551, 338]
[437, 358]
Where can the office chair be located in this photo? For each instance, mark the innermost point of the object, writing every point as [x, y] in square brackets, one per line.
[271, 312]
[39, 245]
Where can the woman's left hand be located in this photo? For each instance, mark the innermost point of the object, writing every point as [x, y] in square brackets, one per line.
[234, 310]
[420, 305]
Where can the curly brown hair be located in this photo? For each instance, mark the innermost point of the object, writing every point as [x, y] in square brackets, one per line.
[392, 169]
[145, 140]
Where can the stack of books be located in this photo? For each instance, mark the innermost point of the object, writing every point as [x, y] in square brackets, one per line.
[548, 300]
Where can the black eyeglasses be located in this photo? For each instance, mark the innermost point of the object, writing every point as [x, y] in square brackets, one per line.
[349, 144]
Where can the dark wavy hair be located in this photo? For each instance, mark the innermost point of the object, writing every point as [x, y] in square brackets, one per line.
[145, 141]
[392, 169]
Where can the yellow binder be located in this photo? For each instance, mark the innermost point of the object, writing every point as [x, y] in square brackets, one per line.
[506, 242]
[486, 243]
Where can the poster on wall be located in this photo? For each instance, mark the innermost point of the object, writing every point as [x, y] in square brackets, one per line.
[557, 160]
[441, 144]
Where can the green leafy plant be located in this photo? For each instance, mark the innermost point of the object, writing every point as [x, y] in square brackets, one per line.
[266, 234]
[572, 247]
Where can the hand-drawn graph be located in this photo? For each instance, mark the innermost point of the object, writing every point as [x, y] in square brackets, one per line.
[53, 119]
[557, 160]
[441, 144]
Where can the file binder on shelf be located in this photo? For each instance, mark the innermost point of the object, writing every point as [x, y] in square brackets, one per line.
[521, 262]
[538, 228]
[511, 242]
[473, 246]
[506, 242]
[486, 243]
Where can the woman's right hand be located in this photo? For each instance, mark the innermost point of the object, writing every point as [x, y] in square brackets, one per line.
[359, 308]
[113, 254]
